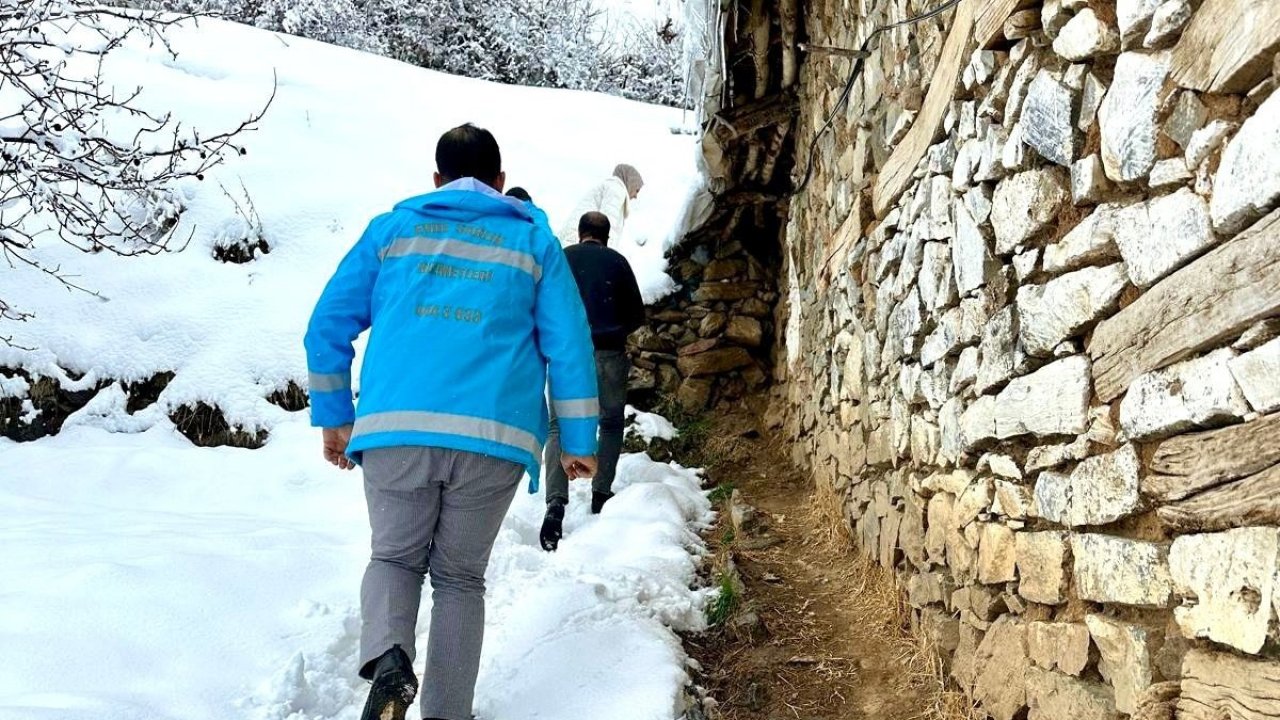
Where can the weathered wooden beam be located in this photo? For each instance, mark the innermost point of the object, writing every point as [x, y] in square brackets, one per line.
[1221, 685]
[1228, 46]
[1254, 500]
[990, 17]
[751, 116]
[1187, 464]
[1210, 300]
[896, 174]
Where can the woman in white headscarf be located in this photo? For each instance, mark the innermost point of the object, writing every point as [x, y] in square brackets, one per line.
[611, 197]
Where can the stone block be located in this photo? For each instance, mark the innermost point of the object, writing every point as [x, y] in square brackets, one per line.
[713, 362]
[998, 351]
[1059, 646]
[1230, 580]
[1052, 696]
[1188, 115]
[1258, 374]
[1088, 181]
[1157, 237]
[1089, 243]
[970, 257]
[1248, 181]
[724, 291]
[1100, 490]
[1134, 19]
[1124, 658]
[1167, 23]
[694, 394]
[1053, 400]
[1064, 307]
[1043, 559]
[1001, 666]
[1013, 501]
[997, 555]
[1189, 394]
[1085, 36]
[1047, 119]
[941, 507]
[744, 330]
[1025, 204]
[1128, 115]
[1118, 570]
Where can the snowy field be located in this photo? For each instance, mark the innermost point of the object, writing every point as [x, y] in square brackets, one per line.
[144, 578]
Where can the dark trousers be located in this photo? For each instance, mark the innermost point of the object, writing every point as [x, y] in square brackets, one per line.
[612, 371]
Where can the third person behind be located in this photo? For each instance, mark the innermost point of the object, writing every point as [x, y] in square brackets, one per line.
[614, 310]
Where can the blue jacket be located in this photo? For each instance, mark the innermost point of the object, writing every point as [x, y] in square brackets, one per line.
[472, 306]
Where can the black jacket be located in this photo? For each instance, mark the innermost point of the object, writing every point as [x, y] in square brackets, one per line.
[609, 292]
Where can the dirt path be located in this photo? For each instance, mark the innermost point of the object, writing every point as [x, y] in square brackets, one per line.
[830, 640]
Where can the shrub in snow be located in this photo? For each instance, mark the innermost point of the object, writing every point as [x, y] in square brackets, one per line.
[546, 43]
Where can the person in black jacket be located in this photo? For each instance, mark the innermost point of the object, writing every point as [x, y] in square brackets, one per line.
[614, 310]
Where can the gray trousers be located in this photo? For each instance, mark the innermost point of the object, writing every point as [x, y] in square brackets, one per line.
[612, 371]
[433, 510]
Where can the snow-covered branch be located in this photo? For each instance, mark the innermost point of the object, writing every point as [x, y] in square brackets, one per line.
[79, 158]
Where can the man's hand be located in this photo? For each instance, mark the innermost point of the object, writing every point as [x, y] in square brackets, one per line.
[579, 466]
[335, 446]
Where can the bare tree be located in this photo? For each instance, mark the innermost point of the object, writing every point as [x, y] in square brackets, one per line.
[66, 169]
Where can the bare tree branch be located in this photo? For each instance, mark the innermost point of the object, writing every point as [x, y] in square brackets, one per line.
[63, 172]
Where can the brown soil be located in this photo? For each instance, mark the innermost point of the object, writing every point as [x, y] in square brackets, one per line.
[832, 639]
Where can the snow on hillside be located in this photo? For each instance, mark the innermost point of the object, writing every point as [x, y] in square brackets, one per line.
[144, 578]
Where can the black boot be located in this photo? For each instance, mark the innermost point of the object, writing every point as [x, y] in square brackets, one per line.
[598, 499]
[552, 526]
[394, 686]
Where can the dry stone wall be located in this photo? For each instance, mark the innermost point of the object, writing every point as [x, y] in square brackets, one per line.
[1044, 379]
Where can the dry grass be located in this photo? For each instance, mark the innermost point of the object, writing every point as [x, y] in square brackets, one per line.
[883, 609]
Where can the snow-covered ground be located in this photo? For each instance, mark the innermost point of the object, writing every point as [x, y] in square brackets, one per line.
[143, 578]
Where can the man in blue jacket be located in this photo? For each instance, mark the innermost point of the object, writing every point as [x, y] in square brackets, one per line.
[472, 309]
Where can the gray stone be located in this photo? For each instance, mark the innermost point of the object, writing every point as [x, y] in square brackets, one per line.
[1024, 263]
[1188, 115]
[1012, 501]
[1124, 658]
[1157, 237]
[1100, 490]
[966, 371]
[1089, 243]
[1258, 374]
[978, 422]
[1088, 181]
[997, 555]
[1046, 119]
[1043, 457]
[1128, 115]
[1118, 570]
[1053, 400]
[1043, 559]
[1170, 173]
[944, 339]
[974, 501]
[1248, 181]
[1000, 465]
[1054, 17]
[941, 226]
[1059, 646]
[1064, 307]
[937, 288]
[1167, 23]
[1022, 78]
[1090, 100]
[1134, 18]
[970, 258]
[940, 511]
[712, 324]
[1025, 204]
[1231, 577]
[904, 326]
[1052, 696]
[1206, 140]
[1001, 664]
[1189, 394]
[1014, 156]
[997, 351]
[745, 331]
[1086, 36]
[1261, 333]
